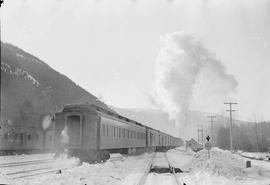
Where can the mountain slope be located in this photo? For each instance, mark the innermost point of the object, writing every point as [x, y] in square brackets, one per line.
[31, 89]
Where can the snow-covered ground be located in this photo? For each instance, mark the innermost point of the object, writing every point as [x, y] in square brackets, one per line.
[222, 168]
[119, 170]
[256, 155]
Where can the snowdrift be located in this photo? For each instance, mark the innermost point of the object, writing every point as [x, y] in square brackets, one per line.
[224, 163]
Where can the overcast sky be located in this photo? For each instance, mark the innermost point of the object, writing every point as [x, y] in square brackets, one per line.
[109, 47]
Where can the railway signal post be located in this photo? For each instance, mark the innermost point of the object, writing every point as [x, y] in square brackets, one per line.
[208, 146]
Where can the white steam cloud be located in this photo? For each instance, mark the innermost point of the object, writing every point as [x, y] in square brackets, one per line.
[183, 66]
[46, 122]
[65, 137]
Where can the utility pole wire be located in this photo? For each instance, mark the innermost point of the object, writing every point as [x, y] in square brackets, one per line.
[230, 106]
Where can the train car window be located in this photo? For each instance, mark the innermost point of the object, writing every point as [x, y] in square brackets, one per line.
[29, 137]
[119, 134]
[15, 137]
[113, 131]
[103, 129]
[37, 136]
[120, 130]
[21, 136]
[128, 133]
[6, 135]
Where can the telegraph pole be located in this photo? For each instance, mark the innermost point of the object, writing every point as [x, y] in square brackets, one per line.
[230, 106]
[200, 134]
[212, 127]
[257, 138]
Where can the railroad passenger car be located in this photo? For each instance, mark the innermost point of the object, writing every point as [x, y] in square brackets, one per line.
[17, 139]
[92, 133]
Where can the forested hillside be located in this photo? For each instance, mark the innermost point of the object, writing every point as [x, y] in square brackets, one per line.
[247, 137]
[31, 89]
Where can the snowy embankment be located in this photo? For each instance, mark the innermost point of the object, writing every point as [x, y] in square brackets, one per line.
[256, 155]
[224, 168]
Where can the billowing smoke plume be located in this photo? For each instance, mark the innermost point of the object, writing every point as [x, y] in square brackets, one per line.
[182, 64]
[46, 122]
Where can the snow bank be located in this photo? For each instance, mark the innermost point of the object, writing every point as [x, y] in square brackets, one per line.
[255, 155]
[65, 161]
[4, 179]
[224, 163]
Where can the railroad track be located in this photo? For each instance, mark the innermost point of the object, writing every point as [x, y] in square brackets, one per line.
[146, 171]
[31, 168]
[172, 170]
[37, 172]
[158, 171]
[22, 163]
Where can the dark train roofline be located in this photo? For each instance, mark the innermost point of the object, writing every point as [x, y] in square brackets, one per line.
[95, 108]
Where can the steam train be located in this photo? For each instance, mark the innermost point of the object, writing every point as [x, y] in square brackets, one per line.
[88, 132]
[92, 133]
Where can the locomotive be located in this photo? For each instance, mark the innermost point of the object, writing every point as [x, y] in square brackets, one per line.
[92, 133]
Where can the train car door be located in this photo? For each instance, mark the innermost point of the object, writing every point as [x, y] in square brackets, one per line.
[74, 130]
[147, 135]
[151, 139]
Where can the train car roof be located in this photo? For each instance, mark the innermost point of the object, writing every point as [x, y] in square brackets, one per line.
[93, 107]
